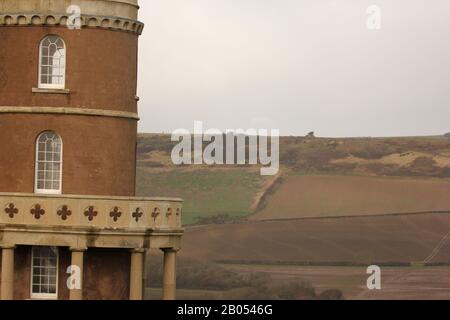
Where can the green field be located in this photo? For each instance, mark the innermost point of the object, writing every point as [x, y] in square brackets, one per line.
[207, 192]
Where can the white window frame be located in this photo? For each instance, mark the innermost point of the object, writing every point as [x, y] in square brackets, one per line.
[47, 85]
[36, 164]
[44, 296]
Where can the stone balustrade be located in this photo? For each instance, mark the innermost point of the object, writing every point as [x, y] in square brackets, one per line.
[90, 212]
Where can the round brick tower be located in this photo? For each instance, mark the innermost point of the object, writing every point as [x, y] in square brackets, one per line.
[68, 105]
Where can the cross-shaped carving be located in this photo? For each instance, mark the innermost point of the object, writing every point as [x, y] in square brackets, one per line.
[64, 212]
[137, 214]
[115, 214]
[169, 212]
[155, 213]
[90, 212]
[37, 211]
[11, 210]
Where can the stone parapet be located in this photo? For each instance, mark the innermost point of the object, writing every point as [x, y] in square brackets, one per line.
[90, 212]
[118, 15]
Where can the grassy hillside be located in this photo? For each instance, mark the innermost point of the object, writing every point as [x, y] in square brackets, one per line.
[411, 156]
[214, 193]
[408, 156]
[218, 194]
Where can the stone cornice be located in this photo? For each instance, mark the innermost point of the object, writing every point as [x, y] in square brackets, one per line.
[70, 111]
[87, 21]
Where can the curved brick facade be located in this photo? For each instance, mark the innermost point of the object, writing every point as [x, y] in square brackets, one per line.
[101, 68]
[98, 153]
[101, 74]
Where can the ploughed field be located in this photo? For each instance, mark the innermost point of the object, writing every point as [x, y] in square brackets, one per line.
[301, 196]
[396, 239]
[331, 253]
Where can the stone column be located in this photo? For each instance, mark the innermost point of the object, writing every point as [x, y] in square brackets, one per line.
[137, 274]
[76, 289]
[169, 277]
[7, 281]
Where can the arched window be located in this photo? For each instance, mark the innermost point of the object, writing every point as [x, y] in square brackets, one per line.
[48, 163]
[52, 63]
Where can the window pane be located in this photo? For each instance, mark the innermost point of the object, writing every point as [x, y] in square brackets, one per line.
[55, 185]
[48, 175]
[44, 78]
[49, 145]
[45, 61]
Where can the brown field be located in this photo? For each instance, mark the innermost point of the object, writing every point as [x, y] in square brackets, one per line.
[397, 282]
[381, 239]
[338, 195]
[331, 253]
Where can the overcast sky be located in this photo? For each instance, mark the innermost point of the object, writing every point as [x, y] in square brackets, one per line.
[296, 65]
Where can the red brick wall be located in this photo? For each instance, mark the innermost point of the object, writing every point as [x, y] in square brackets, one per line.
[106, 274]
[101, 68]
[99, 152]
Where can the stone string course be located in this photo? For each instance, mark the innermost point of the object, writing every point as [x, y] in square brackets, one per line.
[39, 19]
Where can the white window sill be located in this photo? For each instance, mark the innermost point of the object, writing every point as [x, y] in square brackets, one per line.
[50, 91]
[54, 192]
[38, 297]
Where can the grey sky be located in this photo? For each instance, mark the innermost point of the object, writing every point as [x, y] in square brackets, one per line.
[296, 65]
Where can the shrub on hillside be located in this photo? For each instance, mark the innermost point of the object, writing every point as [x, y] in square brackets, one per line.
[374, 150]
[192, 274]
[331, 294]
[217, 219]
